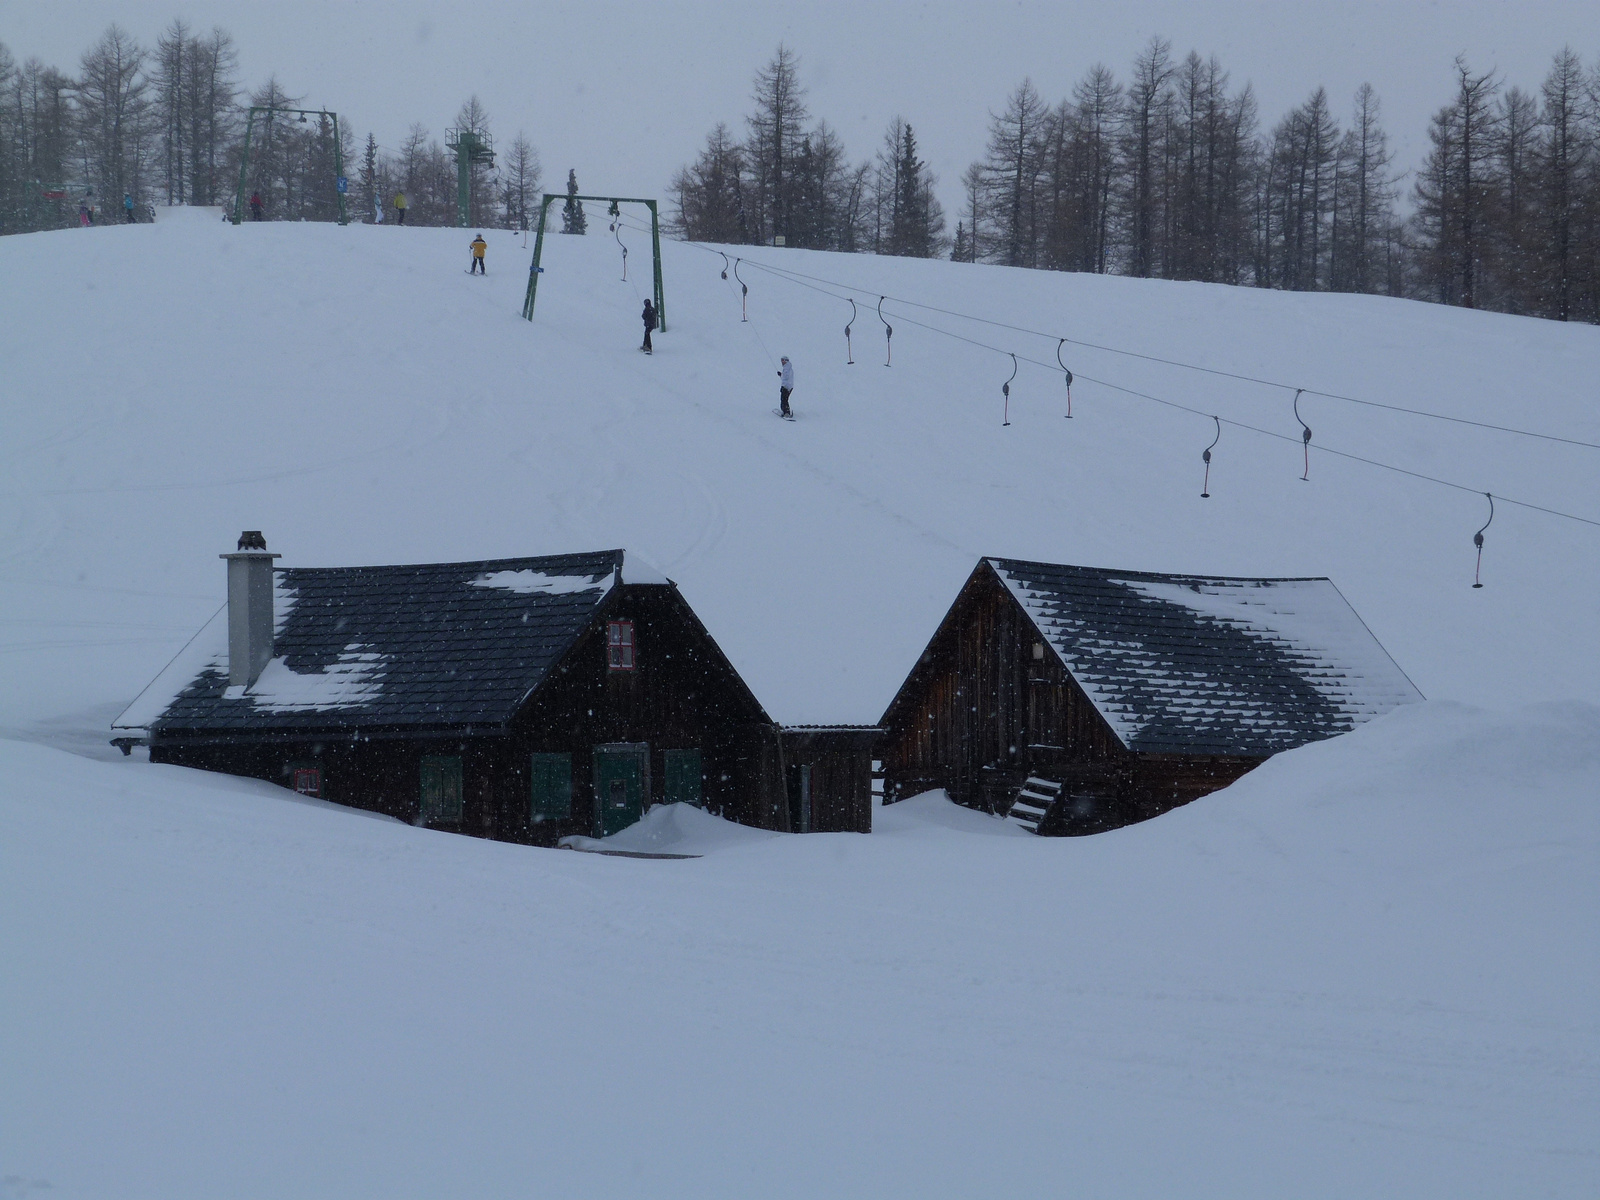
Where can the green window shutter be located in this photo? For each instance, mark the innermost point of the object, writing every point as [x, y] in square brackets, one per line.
[441, 788]
[550, 796]
[684, 777]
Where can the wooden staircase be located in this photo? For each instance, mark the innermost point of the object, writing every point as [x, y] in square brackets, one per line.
[1033, 801]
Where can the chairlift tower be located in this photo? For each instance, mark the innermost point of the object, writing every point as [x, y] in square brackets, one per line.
[472, 150]
[339, 182]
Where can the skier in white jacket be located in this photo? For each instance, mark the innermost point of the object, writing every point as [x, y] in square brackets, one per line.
[786, 385]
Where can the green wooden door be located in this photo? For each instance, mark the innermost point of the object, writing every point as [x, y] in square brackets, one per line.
[684, 777]
[621, 781]
[441, 789]
[550, 791]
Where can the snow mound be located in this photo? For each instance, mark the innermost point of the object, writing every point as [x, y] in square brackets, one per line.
[934, 814]
[676, 829]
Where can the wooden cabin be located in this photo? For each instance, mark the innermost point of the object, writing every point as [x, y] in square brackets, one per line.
[522, 699]
[1075, 700]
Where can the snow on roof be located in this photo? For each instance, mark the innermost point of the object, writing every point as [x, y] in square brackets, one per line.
[1206, 665]
[527, 582]
[431, 644]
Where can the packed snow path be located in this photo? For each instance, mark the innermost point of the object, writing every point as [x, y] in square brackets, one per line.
[354, 394]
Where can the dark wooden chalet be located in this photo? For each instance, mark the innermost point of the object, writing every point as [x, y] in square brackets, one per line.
[1075, 700]
[522, 699]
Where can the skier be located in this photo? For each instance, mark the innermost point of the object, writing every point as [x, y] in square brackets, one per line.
[479, 248]
[255, 206]
[649, 316]
[127, 205]
[786, 385]
[400, 208]
[83, 214]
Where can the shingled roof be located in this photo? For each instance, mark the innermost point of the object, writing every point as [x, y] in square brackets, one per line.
[452, 644]
[1189, 664]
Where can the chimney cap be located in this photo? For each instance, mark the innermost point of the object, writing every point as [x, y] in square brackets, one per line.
[251, 546]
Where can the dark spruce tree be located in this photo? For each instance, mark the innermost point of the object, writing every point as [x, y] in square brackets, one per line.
[572, 218]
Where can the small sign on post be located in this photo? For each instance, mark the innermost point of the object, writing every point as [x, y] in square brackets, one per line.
[343, 185]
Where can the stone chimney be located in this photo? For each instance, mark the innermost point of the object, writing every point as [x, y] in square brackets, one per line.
[249, 609]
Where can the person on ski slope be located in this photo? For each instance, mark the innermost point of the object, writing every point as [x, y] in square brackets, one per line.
[83, 214]
[400, 206]
[785, 386]
[649, 316]
[127, 205]
[255, 206]
[479, 248]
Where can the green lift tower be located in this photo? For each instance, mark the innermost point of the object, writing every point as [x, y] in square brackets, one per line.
[472, 150]
[340, 184]
[538, 248]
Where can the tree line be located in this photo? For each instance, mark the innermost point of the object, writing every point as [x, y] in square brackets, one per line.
[1170, 173]
[1166, 173]
[166, 124]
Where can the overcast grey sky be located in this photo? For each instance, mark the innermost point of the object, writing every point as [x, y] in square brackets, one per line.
[625, 91]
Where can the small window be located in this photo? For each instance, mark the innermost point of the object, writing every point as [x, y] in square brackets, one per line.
[307, 780]
[619, 645]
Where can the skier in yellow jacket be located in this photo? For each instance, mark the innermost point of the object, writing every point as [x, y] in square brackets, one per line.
[400, 206]
[479, 248]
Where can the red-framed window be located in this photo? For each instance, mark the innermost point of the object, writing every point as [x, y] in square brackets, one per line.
[308, 780]
[619, 645]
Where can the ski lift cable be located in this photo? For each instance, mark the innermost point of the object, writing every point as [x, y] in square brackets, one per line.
[1322, 448]
[1172, 362]
[1283, 437]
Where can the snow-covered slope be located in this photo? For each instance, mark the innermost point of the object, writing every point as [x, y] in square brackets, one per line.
[354, 394]
[1367, 969]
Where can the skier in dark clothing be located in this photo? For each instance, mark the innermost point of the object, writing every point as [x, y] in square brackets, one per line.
[649, 316]
[127, 205]
[785, 386]
[255, 206]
